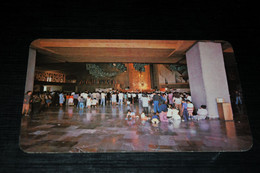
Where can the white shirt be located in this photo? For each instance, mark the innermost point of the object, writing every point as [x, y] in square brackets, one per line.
[114, 96]
[189, 98]
[202, 112]
[145, 101]
[140, 95]
[173, 113]
[94, 102]
[177, 100]
[120, 96]
[103, 95]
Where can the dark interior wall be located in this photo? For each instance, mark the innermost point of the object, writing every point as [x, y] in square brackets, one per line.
[122, 79]
[232, 76]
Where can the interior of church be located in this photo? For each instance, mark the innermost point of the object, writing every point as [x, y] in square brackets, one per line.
[204, 69]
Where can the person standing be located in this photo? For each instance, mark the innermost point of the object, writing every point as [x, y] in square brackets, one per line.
[190, 108]
[129, 96]
[185, 111]
[114, 99]
[177, 102]
[75, 99]
[108, 97]
[156, 99]
[26, 103]
[61, 99]
[170, 95]
[48, 99]
[88, 102]
[120, 98]
[145, 103]
[98, 98]
[140, 97]
[133, 98]
[103, 99]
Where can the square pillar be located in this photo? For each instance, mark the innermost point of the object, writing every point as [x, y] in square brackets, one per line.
[207, 76]
[30, 70]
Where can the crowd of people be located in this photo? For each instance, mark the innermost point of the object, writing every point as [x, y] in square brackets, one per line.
[165, 106]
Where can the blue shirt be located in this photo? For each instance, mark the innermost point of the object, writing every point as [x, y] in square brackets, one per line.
[184, 105]
[155, 116]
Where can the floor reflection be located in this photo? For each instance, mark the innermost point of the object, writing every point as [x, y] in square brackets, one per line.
[104, 129]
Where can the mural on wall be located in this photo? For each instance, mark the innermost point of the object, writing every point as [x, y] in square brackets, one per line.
[49, 76]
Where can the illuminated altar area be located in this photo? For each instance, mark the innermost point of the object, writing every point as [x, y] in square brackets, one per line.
[139, 80]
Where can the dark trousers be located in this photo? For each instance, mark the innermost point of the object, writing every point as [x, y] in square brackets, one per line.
[75, 102]
[145, 110]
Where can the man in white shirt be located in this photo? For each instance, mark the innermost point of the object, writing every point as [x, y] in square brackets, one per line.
[133, 97]
[120, 98]
[103, 99]
[140, 97]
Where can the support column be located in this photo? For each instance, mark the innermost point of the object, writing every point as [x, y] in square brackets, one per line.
[207, 76]
[30, 70]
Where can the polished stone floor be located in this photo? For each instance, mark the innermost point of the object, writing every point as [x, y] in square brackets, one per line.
[104, 129]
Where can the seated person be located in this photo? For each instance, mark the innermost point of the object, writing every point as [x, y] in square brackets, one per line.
[163, 117]
[130, 115]
[173, 113]
[202, 113]
[143, 117]
[155, 118]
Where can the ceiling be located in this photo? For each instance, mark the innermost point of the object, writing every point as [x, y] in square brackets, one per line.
[58, 51]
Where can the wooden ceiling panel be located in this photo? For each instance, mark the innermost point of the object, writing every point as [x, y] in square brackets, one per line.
[89, 52]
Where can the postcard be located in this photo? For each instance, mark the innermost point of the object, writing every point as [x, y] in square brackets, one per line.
[119, 95]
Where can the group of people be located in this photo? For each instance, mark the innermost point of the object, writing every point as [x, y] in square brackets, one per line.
[164, 105]
[168, 107]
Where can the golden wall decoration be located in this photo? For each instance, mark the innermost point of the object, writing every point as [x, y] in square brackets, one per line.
[49, 76]
[140, 81]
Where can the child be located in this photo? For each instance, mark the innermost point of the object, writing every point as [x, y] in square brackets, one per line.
[190, 108]
[155, 118]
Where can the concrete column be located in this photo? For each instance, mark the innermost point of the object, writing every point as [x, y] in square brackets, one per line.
[207, 75]
[30, 70]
